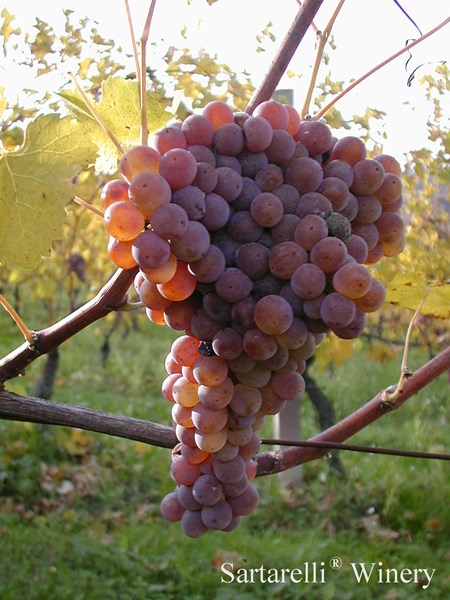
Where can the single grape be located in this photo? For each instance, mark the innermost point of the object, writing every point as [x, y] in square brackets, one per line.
[198, 130]
[178, 167]
[192, 524]
[273, 314]
[207, 490]
[246, 502]
[311, 229]
[194, 244]
[337, 311]
[171, 507]
[115, 190]
[218, 516]
[229, 139]
[229, 183]
[227, 343]
[210, 370]
[329, 254]
[374, 299]
[233, 285]
[139, 159]
[168, 138]
[123, 221]
[192, 200]
[181, 286]
[281, 149]
[304, 174]
[368, 175]
[350, 149]
[266, 209]
[253, 259]
[315, 136]
[218, 113]
[210, 267]
[274, 112]
[258, 134]
[150, 251]
[120, 253]
[308, 281]
[246, 400]
[269, 177]
[352, 280]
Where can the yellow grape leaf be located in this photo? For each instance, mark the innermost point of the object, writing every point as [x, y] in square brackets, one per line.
[407, 291]
[6, 29]
[334, 351]
[35, 184]
[3, 102]
[77, 443]
[120, 109]
[382, 352]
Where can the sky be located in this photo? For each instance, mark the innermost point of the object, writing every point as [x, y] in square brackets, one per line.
[365, 33]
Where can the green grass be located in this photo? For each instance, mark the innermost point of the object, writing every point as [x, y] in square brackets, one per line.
[79, 512]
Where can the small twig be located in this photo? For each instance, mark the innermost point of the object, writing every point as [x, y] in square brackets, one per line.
[129, 306]
[85, 204]
[28, 334]
[95, 114]
[143, 87]
[323, 39]
[326, 108]
[391, 395]
[353, 448]
[133, 43]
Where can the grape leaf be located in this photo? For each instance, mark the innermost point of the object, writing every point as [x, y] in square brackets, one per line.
[407, 291]
[120, 110]
[35, 184]
[3, 102]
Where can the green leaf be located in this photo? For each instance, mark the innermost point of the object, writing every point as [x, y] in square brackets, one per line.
[35, 184]
[407, 290]
[120, 109]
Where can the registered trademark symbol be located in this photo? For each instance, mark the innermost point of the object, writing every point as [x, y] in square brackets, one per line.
[336, 563]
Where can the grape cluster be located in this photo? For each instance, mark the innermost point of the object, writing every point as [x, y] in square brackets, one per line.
[251, 234]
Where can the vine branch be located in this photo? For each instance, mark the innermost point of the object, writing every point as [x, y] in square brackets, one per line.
[280, 460]
[111, 297]
[37, 410]
[285, 53]
[326, 108]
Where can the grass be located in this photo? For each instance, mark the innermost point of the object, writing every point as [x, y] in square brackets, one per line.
[79, 512]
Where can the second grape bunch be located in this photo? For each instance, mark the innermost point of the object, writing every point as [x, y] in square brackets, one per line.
[251, 234]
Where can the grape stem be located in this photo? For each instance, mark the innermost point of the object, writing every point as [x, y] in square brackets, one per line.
[143, 87]
[95, 114]
[29, 335]
[326, 108]
[133, 44]
[323, 37]
[392, 394]
[85, 204]
[129, 306]
[285, 53]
